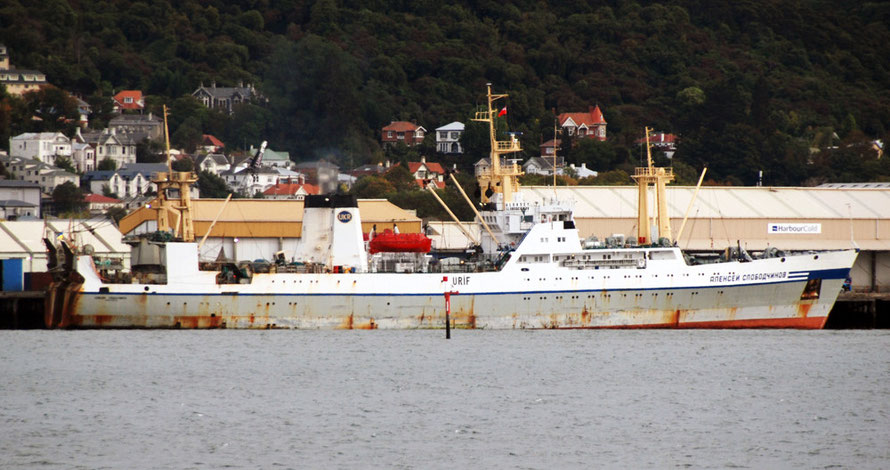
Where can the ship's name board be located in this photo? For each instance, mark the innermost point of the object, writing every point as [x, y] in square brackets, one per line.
[749, 277]
[460, 280]
[775, 227]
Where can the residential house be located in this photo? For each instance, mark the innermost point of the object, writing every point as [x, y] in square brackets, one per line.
[448, 138]
[320, 173]
[272, 158]
[83, 156]
[213, 162]
[19, 199]
[42, 146]
[549, 148]
[18, 81]
[543, 166]
[661, 142]
[225, 98]
[583, 125]
[375, 169]
[128, 100]
[404, 132]
[132, 180]
[119, 147]
[84, 110]
[582, 171]
[290, 190]
[140, 126]
[211, 144]
[427, 174]
[250, 182]
[46, 176]
[48, 180]
[98, 204]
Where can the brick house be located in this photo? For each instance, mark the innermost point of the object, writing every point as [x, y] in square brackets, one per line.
[405, 132]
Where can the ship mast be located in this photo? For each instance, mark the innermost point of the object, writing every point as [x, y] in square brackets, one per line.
[500, 179]
[659, 177]
[182, 180]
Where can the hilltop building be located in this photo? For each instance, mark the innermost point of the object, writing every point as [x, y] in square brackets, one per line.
[404, 132]
[662, 142]
[448, 138]
[584, 125]
[18, 81]
[128, 100]
[225, 98]
[139, 126]
[40, 146]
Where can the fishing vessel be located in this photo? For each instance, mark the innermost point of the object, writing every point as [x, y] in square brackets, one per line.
[533, 270]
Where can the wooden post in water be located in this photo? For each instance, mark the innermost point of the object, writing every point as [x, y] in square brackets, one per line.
[448, 315]
[448, 311]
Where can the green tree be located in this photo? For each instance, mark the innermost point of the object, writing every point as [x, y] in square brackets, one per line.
[68, 199]
[107, 164]
[373, 187]
[116, 214]
[212, 186]
[401, 178]
[64, 163]
[149, 151]
[183, 164]
[107, 192]
[613, 178]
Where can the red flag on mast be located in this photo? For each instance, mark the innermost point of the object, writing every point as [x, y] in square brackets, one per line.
[503, 112]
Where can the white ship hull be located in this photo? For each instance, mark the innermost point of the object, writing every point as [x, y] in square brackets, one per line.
[789, 292]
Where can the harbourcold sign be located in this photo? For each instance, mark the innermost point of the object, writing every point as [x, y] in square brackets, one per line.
[786, 228]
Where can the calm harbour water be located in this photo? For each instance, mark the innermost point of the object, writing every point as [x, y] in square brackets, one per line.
[411, 399]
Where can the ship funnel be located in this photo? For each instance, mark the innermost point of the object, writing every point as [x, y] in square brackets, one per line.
[332, 233]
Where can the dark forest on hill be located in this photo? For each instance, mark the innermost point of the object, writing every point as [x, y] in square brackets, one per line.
[798, 89]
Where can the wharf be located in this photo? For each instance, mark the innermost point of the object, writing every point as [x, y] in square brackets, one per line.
[22, 310]
[860, 310]
[853, 310]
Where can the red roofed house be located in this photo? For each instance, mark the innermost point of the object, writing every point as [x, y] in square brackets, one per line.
[290, 190]
[589, 124]
[403, 131]
[427, 173]
[99, 204]
[661, 141]
[211, 144]
[128, 100]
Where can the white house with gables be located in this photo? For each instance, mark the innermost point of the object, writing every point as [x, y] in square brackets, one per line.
[213, 162]
[121, 148]
[42, 146]
[448, 138]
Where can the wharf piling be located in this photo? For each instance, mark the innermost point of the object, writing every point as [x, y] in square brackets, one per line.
[860, 310]
[22, 310]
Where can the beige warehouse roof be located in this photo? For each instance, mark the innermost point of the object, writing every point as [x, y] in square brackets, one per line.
[271, 217]
[728, 202]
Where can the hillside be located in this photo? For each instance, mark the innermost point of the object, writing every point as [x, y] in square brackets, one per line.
[748, 86]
